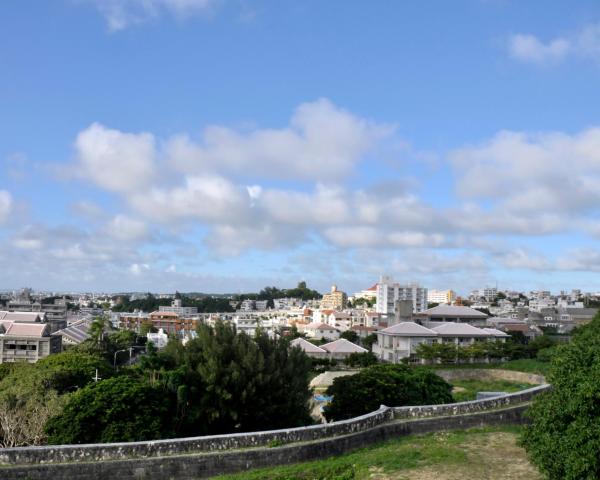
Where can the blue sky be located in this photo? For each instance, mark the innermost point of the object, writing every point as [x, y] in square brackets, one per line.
[225, 145]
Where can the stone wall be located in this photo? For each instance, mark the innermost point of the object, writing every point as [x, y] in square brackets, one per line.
[200, 457]
[490, 374]
[207, 464]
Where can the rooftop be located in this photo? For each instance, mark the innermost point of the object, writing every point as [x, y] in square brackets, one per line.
[306, 346]
[343, 346]
[409, 329]
[454, 311]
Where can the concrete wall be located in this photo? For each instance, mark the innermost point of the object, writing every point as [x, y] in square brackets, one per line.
[490, 374]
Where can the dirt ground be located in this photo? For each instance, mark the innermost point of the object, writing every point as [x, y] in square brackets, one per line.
[490, 456]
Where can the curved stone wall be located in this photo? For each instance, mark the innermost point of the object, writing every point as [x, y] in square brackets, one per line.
[490, 374]
[200, 457]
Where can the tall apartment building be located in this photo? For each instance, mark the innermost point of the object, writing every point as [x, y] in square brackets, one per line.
[389, 293]
[336, 300]
[441, 296]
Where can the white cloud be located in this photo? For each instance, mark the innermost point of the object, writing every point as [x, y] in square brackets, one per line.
[537, 182]
[212, 199]
[528, 48]
[322, 142]
[127, 229]
[6, 204]
[114, 160]
[139, 268]
[120, 14]
[584, 43]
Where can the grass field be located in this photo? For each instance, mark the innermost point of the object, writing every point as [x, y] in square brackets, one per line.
[528, 365]
[490, 453]
[467, 389]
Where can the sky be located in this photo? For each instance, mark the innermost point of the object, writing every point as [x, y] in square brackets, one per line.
[226, 145]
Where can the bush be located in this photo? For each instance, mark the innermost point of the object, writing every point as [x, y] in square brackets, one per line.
[361, 359]
[563, 439]
[391, 385]
[115, 410]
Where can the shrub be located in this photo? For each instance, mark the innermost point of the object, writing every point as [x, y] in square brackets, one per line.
[563, 439]
[391, 385]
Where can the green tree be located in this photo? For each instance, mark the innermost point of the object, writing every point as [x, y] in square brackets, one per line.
[350, 335]
[361, 359]
[391, 385]
[114, 410]
[563, 438]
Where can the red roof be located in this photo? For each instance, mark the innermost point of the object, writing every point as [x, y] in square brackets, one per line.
[373, 288]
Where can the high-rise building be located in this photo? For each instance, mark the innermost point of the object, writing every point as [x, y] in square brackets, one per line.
[389, 293]
[441, 296]
[336, 300]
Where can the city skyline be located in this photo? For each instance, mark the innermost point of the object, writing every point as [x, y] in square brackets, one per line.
[227, 145]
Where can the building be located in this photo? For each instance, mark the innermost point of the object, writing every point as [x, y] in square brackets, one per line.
[336, 300]
[389, 293]
[489, 294]
[170, 322]
[158, 339]
[452, 313]
[320, 331]
[55, 313]
[441, 296]
[400, 341]
[26, 342]
[75, 333]
[176, 307]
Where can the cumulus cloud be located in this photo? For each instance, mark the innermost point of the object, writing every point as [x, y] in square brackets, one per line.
[6, 204]
[537, 182]
[125, 228]
[120, 14]
[209, 198]
[530, 49]
[321, 142]
[114, 160]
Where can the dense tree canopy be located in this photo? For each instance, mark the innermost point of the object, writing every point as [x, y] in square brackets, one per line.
[563, 439]
[391, 385]
[119, 409]
[219, 382]
[30, 394]
[152, 303]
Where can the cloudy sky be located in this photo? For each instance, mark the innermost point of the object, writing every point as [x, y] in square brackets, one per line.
[225, 145]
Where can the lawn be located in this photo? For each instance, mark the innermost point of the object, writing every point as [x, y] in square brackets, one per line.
[490, 453]
[467, 389]
[528, 365]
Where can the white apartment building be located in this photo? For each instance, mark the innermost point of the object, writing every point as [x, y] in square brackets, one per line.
[441, 296]
[177, 308]
[388, 293]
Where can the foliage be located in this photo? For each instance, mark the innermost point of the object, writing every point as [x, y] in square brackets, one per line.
[563, 439]
[361, 359]
[350, 335]
[369, 340]
[32, 393]
[151, 303]
[271, 293]
[114, 410]
[391, 385]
